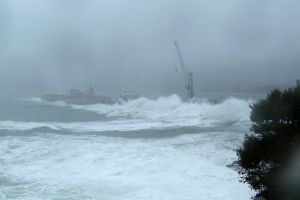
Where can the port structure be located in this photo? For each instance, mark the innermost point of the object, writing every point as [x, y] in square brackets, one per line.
[187, 74]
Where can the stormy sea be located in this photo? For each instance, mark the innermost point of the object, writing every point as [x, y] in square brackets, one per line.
[163, 148]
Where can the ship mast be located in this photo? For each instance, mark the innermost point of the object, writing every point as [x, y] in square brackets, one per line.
[187, 74]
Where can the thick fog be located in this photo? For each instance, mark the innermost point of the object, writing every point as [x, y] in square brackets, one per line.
[116, 45]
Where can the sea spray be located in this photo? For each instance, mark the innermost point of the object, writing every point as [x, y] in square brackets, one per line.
[144, 114]
[173, 109]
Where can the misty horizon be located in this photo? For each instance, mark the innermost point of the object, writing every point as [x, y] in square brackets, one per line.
[54, 46]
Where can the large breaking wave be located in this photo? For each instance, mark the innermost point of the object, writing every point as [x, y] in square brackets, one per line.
[143, 113]
[173, 109]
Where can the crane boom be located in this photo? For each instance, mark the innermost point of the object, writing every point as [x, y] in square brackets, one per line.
[187, 75]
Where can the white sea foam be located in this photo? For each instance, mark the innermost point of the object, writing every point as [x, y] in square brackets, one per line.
[173, 109]
[84, 166]
[40, 100]
[33, 99]
[118, 125]
[143, 113]
[191, 167]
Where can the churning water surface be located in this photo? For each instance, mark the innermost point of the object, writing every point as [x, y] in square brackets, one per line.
[142, 149]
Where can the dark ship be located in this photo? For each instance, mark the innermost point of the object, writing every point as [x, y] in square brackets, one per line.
[78, 97]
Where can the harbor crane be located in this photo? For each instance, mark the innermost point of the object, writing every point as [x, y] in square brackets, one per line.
[187, 74]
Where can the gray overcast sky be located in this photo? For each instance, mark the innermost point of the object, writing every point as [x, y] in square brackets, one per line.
[55, 45]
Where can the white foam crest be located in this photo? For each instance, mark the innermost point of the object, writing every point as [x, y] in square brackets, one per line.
[40, 100]
[172, 109]
[95, 126]
[33, 99]
[24, 126]
[143, 113]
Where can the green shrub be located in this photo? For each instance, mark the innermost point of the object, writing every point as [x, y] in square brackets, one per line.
[276, 134]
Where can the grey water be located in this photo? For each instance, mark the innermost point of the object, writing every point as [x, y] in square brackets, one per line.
[162, 148]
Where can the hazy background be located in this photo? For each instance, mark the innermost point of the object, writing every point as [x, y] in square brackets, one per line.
[55, 45]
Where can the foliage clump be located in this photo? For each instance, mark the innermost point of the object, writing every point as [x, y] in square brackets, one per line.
[267, 152]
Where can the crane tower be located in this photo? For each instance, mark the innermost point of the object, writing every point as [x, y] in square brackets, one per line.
[187, 74]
